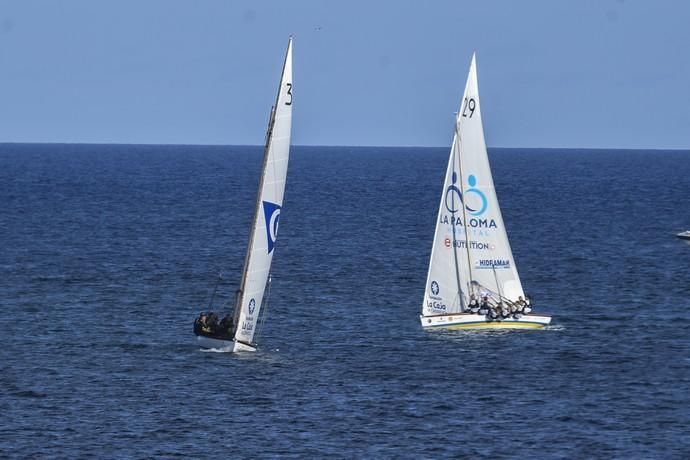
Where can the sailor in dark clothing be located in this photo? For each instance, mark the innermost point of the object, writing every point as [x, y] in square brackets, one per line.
[201, 324]
[517, 308]
[474, 305]
[212, 323]
[494, 312]
[503, 310]
[528, 305]
[484, 306]
[520, 304]
[225, 325]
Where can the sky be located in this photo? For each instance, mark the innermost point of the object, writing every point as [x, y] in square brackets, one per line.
[552, 73]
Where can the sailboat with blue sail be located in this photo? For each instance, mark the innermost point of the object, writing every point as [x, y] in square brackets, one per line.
[472, 280]
[236, 331]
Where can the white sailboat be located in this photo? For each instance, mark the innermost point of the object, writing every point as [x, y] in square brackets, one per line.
[684, 235]
[238, 334]
[471, 254]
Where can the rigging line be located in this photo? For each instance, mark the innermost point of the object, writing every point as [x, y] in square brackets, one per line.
[495, 293]
[500, 296]
[257, 208]
[236, 311]
[453, 223]
[255, 221]
[464, 211]
[215, 289]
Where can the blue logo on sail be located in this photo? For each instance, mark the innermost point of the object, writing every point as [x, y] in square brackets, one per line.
[252, 306]
[453, 196]
[434, 288]
[272, 215]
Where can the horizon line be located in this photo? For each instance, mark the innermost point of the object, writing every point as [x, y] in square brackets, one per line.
[154, 144]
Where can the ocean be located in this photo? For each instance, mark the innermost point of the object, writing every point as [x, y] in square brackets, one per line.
[109, 252]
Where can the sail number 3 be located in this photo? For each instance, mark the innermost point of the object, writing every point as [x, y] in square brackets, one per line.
[471, 105]
[289, 93]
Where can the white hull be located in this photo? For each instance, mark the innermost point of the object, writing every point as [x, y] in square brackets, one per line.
[684, 235]
[229, 346]
[473, 321]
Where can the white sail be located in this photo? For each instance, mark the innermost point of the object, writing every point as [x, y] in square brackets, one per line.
[268, 207]
[442, 294]
[471, 252]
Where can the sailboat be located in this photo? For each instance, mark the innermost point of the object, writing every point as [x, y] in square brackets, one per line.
[684, 235]
[236, 332]
[472, 280]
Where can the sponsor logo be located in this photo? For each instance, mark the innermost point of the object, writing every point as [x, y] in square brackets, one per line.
[252, 306]
[473, 222]
[435, 305]
[272, 216]
[474, 200]
[492, 263]
[470, 244]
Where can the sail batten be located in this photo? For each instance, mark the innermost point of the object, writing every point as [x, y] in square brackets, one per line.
[470, 240]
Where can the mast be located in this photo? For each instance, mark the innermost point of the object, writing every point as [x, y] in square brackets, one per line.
[464, 211]
[453, 224]
[257, 208]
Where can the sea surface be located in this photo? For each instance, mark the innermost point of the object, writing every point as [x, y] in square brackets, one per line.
[108, 253]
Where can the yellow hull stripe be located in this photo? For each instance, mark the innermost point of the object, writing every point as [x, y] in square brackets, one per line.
[492, 325]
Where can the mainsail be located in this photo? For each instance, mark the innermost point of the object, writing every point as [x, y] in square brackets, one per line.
[470, 253]
[268, 206]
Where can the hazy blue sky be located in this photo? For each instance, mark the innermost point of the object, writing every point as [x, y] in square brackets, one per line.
[580, 73]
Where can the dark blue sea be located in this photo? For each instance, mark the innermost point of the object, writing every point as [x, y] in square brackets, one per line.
[107, 254]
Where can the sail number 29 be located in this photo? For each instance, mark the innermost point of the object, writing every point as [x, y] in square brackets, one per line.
[289, 93]
[471, 105]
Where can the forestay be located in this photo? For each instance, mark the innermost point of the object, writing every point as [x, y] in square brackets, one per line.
[470, 252]
[269, 203]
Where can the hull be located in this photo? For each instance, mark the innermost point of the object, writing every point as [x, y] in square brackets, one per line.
[229, 346]
[473, 321]
[684, 235]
